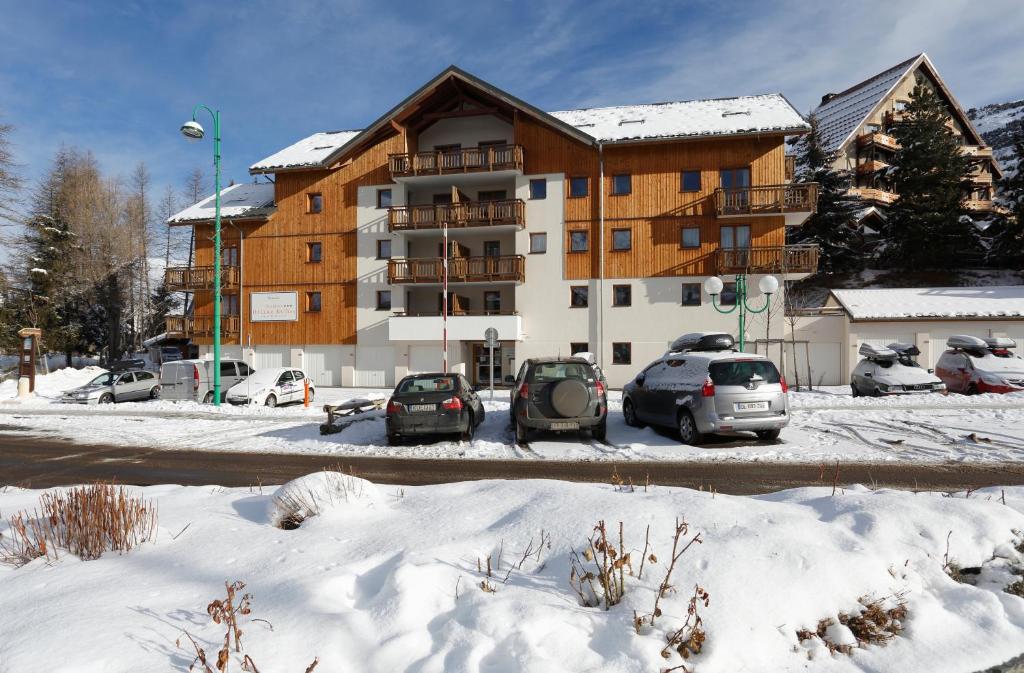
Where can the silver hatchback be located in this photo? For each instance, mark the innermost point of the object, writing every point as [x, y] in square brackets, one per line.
[110, 387]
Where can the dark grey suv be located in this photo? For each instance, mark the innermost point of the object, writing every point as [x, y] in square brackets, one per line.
[558, 394]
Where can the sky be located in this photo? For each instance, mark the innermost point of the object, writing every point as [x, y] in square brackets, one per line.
[119, 78]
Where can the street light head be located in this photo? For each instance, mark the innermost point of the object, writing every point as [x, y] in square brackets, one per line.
[192, 130]
[768, 284]
[713, 286]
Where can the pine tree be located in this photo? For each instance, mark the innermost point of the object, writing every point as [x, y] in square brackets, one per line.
[833, 226]
[928, 226]
[163, 303]
[1008, 230]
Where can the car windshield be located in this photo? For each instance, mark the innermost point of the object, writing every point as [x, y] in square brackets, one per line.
[557, 371]
[105, 379]
[738, 372]
[906, 361]
[427, 384]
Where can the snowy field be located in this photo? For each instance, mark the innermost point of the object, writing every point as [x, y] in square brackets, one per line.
[827, 425]
[389, 579]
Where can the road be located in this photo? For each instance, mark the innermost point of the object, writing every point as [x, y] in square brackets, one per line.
[40, 462]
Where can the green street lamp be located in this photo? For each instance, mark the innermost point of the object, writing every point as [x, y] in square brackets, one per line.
[193, 131]
[768, 285]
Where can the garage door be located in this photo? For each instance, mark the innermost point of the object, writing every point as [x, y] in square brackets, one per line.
[375, 367]
[424, 359]
[323, 364]
[269, 358]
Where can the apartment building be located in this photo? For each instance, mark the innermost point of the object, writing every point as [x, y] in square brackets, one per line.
[564, 231]
[856, 125]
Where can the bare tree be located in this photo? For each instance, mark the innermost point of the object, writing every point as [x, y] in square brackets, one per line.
[10, 181]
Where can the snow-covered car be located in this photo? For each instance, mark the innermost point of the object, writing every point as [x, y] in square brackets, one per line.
[274, 386]
[117, 386]
[973, 365]
[891, 370]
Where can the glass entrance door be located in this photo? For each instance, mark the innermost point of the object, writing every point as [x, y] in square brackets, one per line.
[481, 365]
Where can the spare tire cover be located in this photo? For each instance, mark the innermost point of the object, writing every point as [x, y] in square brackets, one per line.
[570, 398]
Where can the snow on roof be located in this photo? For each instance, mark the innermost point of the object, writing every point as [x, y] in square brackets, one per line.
[844, 112]
[679, 119]
[242, 200]
[309, 151]
[997, 301]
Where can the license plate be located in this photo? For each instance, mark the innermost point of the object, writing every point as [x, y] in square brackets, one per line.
[751, 406]
[422, 407]
[565, 426]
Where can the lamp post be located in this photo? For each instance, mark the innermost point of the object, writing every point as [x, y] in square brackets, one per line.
[768, 285]
[193, 131]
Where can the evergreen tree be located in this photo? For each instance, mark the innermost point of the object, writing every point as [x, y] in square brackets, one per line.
[163, 303]
[928, 226]
[833, 226]
[1008, 229]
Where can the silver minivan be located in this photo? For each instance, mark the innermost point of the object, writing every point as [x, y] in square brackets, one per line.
[193, 379]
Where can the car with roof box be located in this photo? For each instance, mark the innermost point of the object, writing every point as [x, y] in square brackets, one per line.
[703, 385]
[559, 394]
[892, 370]
[433, 404]
[972, 365]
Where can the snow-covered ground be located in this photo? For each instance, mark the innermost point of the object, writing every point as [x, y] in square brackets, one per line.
[827, 425]
[388, 580]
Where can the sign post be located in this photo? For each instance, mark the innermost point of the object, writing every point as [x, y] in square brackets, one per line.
[491, 339]
[27, 360]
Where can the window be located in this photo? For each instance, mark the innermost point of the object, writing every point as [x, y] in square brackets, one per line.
[734, 237]
[622, 295]
[229, 255]
[690, 181]
[578, 187]
[579, 241]
[492, 248]
[286, 377]
[492, 195]
[728, 296]
[578, 296]
[539, 188]
[538, 243]
[622, 239]
[227, 369]
[691, 294]
[384, 248]
[313, 302]
[384, 300]
[143, 376]
[622, 353]
[383, 198]
[314, 203]
[492, 301]
[622, 184]
[229, 304]
[443, 199]
[244, 369]
[691, 237]
[579, 347]
[734, 178]
[314, 251]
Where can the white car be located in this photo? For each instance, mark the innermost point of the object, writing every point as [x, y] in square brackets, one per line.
[892, 371]
[278, 385]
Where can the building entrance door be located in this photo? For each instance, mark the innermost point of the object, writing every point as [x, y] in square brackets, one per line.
[481, 370]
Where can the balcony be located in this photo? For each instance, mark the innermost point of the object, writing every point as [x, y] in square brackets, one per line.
[977, 151]
[871, 166]
[796, 201]
[511, 212]
[980, 178]
[190, 327]
[191, 278]
[883, 140]
[430, 270]
[878, 196]
[489, 159]
[780, 259]
[467, 327]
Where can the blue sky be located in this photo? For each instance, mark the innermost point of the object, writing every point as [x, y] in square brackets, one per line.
[118, 78]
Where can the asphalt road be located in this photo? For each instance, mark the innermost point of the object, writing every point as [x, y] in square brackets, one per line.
[40, 462]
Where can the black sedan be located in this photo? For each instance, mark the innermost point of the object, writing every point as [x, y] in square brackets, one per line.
[433, 404]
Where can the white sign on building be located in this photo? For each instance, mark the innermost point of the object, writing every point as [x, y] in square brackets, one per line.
[274, 306]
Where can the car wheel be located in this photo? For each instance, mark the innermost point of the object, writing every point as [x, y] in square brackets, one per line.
[271, 400]
[600, 431]
[522, 433]
[106, 398]
[208, 398]
[629, 413]
[393, 440]
[688, 431]
[853, 390]
[972, 389]
[311, 393]
[467, 434]
[876, 393]
[154, 393]
[768, 434]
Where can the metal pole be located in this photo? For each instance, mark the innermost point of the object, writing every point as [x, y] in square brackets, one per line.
[216, 260]
[490, 346]
[444, 297]
[741, 299]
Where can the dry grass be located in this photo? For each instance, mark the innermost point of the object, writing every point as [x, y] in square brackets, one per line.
[300, 503]
[610, 563]
[85, 521]
[1015, 588]
[873, 624]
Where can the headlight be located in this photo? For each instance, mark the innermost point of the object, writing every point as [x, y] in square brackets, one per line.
[992, 380]
[895, 389]
[81, 396]
[939, 386]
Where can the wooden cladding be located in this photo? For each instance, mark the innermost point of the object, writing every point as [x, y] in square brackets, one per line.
[200, 326]
[187, 279]
[769, 259]
[458, 215]
[498, 268]
[460, 160]
[766, 199]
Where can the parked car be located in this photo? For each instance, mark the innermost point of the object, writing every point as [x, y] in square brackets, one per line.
[433, 404]
[702, 385]
[193, 379]
[169, 354]
[892, 370]
[274, 386]
[126, 364]
[116, 386]
[973, 365]
[559, 394]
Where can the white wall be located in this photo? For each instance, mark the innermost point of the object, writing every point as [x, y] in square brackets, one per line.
[465, 131]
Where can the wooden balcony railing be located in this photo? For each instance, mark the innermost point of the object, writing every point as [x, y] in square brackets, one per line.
[871, 166]
[879, 196]
[200, 326]
[460, 269]
[780, 259]
[767, 199]
[463, 160]
[458, 215]
[188, 278]
[979, 151]
[878, 140]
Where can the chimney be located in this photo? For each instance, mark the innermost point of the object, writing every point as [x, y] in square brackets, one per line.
[827, 97]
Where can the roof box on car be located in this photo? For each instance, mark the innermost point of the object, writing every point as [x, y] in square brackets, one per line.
[876, 352]
[586, 355]
[1000, 342]
[703, 341]
[965, 341]
[905, 349]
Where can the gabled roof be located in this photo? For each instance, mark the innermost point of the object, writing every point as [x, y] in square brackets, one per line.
[1005, 301]
[308, 152]
[239, 202]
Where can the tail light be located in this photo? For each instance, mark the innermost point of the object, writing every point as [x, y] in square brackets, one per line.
[393, 407]
[708, 389]
[452, 404]
[600, 388]
[195, 378]
[524, 391]
[782, 382]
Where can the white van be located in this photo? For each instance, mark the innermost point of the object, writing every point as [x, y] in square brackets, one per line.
[193, 379]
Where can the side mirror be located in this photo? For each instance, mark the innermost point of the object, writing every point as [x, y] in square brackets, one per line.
[640, 378]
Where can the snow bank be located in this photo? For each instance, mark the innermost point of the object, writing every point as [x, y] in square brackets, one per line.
[319, 493]
[50, 386]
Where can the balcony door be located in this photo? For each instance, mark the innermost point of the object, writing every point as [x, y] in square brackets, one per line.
[736, 182]
[229, 255]
[735, 244]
